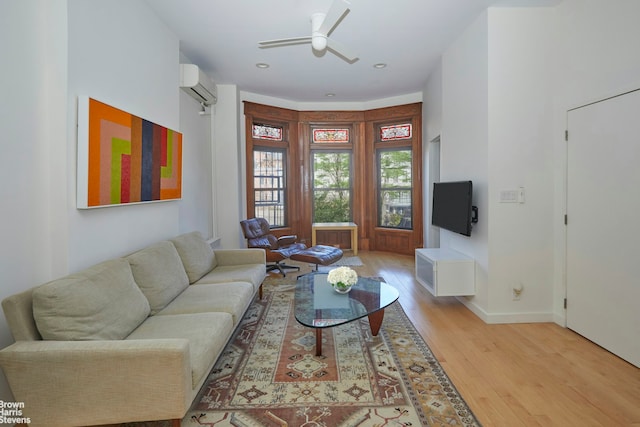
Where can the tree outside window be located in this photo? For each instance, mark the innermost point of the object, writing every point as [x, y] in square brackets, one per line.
[331, 186]
[395, 188]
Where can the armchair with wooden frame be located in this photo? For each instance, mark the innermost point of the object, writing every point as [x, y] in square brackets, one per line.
[257, 231]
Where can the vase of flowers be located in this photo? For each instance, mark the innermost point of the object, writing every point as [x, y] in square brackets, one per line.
[342, 279]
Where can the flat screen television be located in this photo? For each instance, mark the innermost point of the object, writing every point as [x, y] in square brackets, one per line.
[452, 209]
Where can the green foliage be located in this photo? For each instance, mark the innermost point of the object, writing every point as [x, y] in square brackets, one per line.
[332, 170]
[332, 184]
[331, 206]
[395, 168]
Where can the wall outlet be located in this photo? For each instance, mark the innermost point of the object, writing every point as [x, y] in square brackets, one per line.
[516, 292]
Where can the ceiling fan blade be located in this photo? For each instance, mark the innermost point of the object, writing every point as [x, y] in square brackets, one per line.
[284, 42]
[342, 50]
[338, 9]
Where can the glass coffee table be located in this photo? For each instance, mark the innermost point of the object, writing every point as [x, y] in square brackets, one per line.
[318, 306]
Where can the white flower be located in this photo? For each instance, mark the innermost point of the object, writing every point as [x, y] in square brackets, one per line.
[343, 275]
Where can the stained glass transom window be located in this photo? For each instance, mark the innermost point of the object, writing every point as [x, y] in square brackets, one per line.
[395, 132]
[272, 133]
[330, 135]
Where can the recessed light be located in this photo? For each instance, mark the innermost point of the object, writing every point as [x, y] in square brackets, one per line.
[262, 65]
[329, 95]
[379, 65]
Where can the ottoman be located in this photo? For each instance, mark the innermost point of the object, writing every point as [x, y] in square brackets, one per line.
[318, 254]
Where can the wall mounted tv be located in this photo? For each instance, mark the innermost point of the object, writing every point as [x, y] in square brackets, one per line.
[452, 209]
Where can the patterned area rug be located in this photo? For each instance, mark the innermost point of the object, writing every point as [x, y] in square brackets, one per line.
[269, 375]
[351, 261]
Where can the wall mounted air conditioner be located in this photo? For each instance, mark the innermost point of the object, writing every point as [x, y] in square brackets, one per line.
[197, 84]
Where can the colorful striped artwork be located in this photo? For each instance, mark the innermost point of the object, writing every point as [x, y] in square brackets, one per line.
[124, 159]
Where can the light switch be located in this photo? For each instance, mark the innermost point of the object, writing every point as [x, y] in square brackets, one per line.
[509, 196]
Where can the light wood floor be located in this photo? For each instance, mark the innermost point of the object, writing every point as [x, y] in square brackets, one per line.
[513, 375]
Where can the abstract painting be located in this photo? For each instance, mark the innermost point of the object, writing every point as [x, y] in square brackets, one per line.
[125, 159]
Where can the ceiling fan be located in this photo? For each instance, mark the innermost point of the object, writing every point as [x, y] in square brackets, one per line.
[322, 24]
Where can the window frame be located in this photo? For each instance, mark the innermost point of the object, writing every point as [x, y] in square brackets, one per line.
[381, 189]
[349, 189]
[283, 189]
[364, 131]
[286, 119]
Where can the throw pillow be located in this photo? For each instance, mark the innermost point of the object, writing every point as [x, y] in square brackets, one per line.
[158, 271]
[99, 303]
[197, 256]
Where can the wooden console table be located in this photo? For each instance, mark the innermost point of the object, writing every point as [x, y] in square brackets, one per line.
[351, 226]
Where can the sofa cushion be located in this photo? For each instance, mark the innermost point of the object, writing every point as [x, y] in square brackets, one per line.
[101, 302]
[196, 254]
[207, 334]
[158, 271]
[232, 298]
[252, 273]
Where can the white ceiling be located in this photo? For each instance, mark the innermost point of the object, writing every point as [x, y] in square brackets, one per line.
[221, 36]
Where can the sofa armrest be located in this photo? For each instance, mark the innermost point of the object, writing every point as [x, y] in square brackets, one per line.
[240, 256]
[99, 382]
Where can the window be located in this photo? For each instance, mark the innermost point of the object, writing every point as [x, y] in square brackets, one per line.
[267, 171]
[269, 185]
[337, 166]
[331, 186]
[394, 184]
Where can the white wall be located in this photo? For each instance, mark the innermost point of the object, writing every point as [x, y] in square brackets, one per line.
[121, 54]
[432, 128]
[113, 50]
[508, 82]
[229, 167]
[32, 167]
[597, 57]
[521, 155]
[496, 132]
[195, 210]
[464, 140]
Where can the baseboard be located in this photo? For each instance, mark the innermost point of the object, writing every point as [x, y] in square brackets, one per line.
[561, 319]
[498, 318]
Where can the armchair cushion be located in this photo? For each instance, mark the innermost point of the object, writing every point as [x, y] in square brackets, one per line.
[264, 242]
[255, 228]
[287, 240]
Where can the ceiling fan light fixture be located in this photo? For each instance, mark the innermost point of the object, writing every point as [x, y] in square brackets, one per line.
[319, 42]
[322, 25]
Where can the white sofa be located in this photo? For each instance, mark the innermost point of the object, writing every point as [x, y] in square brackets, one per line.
[129, 339]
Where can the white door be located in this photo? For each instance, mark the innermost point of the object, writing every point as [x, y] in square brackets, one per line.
[603, 228]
